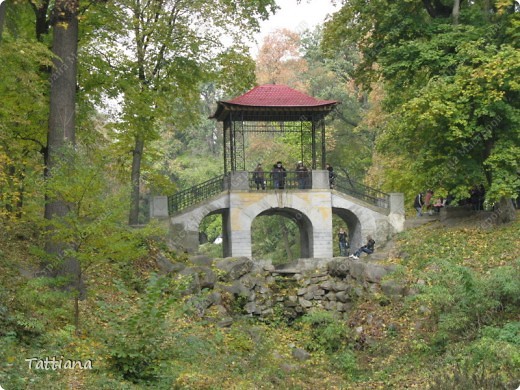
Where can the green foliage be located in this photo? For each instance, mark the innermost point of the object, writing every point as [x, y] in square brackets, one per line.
[42, 304]
[327, 333]
[346, 362]
[276, 238]
[95, 229]
[451, 92]
[463, 302]
[509, 333]
[466, 376]
[331, 76]
[137, 333]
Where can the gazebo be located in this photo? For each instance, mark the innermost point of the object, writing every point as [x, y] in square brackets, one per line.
[278, 109]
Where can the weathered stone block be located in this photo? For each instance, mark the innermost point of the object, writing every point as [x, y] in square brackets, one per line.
[327, 285]
[304, 303]
[318, 279]
[331, 296]
[235, 267]
[251, 308]
[339, 268]
[166, 266]
[290, 304]
[319, 293]
[201, 260]
[300, 354]
[309, 296]
[374, 273]
[391, 288]
[340, 286]
[225, 323]
[205, 276]
[237, 288]
[301, 291]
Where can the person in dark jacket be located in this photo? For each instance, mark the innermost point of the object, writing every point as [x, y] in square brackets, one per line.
[418, 204]
[332, 175]
[278, 175]
[343, 244]
[259, 177]
[368, 248]
[302, 173]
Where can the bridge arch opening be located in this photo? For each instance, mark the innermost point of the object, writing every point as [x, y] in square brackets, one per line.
[213, 234]
[281, 235]
[347, 219]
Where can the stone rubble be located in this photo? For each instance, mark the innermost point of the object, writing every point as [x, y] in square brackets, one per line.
[261, 289]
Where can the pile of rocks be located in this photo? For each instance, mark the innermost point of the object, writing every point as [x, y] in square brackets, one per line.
[261, 289]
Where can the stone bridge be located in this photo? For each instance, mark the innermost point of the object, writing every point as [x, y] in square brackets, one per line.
[311, 209]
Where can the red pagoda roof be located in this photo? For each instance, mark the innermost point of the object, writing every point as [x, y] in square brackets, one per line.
[275, 97]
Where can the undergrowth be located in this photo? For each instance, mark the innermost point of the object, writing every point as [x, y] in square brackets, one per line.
[458, 328]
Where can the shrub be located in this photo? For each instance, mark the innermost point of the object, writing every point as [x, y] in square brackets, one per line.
[326, 331]
[467, 376]
[346, 362]
[137, 332]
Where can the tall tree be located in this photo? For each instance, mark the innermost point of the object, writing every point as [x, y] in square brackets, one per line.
[3, 7]
[61, 137]
[169, 50]
[449, 75]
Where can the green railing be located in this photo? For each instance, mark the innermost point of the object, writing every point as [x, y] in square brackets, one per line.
[196, 194]
[360, 191]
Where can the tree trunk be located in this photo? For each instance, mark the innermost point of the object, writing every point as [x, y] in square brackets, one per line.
[136, 179]
[62, 123]
[456, 12]
[3, 6]
[40, 9]
[506, 211]
[285, 235]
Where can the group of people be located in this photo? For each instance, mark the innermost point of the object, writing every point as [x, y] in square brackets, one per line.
[278, 176]
[427, 204]
[368, 248]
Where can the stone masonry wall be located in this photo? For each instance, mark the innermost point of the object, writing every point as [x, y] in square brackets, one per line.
[241, 286]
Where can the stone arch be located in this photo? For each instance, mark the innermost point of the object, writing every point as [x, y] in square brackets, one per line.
[361, 220]
[311, 207]
[301, 220]
[184, 227]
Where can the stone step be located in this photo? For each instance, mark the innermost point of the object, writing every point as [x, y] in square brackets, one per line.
[419, 221]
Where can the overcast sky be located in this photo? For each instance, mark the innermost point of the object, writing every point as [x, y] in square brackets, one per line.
[296, 17]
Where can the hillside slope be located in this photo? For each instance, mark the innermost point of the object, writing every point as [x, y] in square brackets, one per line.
[457, 327]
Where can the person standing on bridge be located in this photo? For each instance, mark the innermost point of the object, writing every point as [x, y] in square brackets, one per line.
[302, 174]
[278, 175]
[332, 175]
[259, 177]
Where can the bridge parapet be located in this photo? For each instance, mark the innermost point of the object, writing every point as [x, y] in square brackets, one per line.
[197, 194]
[292, 180]
[363, 192]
